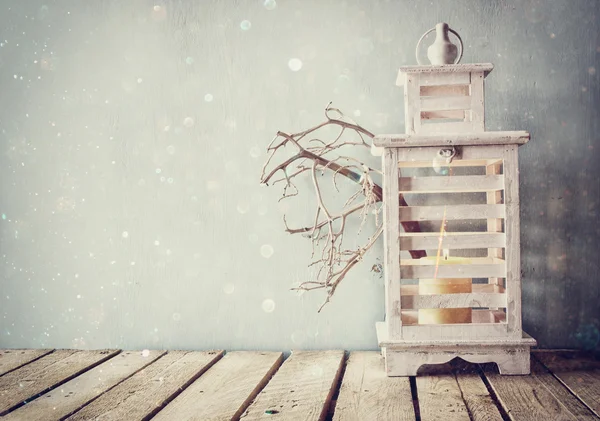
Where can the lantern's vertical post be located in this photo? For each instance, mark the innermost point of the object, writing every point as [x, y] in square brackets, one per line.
[412, 105]
[494, 225]
[391, 243]
[513, 242]
[477, 102]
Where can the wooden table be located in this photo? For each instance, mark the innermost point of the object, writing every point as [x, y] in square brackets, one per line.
[45, 384]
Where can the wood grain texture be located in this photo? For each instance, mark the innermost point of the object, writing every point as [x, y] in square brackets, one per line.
[470, 157]
[477, 105]
[578, 372]
[11, 359]
[454, 184]
[446, 114]
[452, 339]
[412, 113]
[480, 404]
[433, 79]
[451, 212]
[391, 243]
[443, 90]
[368, 394]
[512, 227]
[46, 373]
[74, 394]
[225, 390]
[539, 396]
[445, 103]
[447, 127]
[458, 300]
[468, 331]
[451, 240]
[440, 398]
[485, 138]
[302, 388]
[449, 68]
[494, 225]
[145, 393]
[411, 269]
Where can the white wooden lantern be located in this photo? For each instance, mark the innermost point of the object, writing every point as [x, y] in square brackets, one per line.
[462, 185]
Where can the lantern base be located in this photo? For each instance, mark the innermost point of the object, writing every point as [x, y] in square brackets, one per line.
[404, 357]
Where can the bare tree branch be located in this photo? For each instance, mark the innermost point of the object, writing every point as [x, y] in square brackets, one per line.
[328, 229]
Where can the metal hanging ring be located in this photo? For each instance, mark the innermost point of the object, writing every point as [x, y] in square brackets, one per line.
[447, 153]
[460, 45]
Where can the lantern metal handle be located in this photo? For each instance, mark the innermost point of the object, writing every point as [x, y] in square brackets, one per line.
[460, 45]
[447, 154]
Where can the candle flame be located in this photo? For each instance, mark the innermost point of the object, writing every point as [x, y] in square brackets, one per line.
[440, 239]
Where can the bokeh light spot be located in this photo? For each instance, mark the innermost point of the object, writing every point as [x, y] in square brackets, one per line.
[266, 251]
[270, 4]
[295, 64]
[245, 25]
[268, 305]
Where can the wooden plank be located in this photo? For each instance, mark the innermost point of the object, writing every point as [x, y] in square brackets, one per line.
[391, 243]
[461, 300]
[579, 373]
[448, 68]
[149, 390]
[539, 396]
[451, 240]
[225, 390]
[302, 388]
[367, 393]
[475, 270]
[469, 331]
[477, 398]
[450, 212]
[454, 341]
[479, 288]
[73, 395]
[478, 156]
[46, 373]
[445, 90]
[477, 102]
[445, 103]
[446, 127]
[11, 359]
[481, 317]
[513, 241]
[412, 112]
[454, 184]
[446, 114]
[429, 79]
[408, 140]
[440, 398]
[454, 164]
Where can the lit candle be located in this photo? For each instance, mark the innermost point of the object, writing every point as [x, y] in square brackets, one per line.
[445, 286]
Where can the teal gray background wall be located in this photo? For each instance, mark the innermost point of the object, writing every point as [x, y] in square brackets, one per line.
[132, 135]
